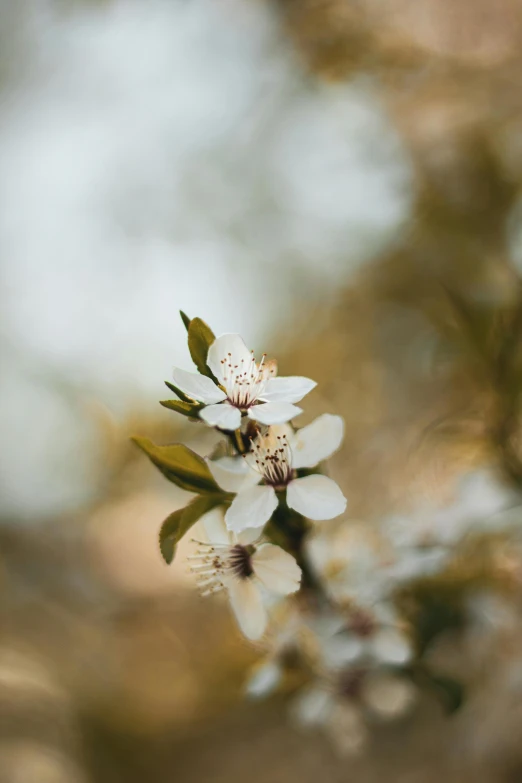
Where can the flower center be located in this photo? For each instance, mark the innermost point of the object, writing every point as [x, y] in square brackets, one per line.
[350, 684]
[362, 623]
[273, 459]
[240, 561]
[213, 564]
[244, 382]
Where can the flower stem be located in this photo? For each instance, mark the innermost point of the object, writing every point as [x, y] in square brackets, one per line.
[239, 442]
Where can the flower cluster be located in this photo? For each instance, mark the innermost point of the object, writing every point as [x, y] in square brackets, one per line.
[361, 630]
[256, 501]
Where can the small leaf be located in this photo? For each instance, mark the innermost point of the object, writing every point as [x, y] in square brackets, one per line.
[179, 393]
[185, 408]
[449, 691]
[431, 610]
[185, 319]
[180, 465]
[179, 522]
[200, 338]
[169, 535]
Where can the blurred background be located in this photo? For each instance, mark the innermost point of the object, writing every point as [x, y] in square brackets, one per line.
[339, 181]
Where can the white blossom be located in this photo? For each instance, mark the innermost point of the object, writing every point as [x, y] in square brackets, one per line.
[352, 560]
[368, 634]
[283, 644]
[424, 541]
[479, 504]
[243, 387]
[342, 705]
[243, 566]
[274, 459]
[264, 679]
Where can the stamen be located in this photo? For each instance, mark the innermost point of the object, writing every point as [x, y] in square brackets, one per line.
[273, 459]
[212, 568]
[244, 382]
[210, 591]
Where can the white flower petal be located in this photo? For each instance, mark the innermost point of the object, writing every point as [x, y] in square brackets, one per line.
[223, 415]
[197, 386]
[232, 349]
[274, 412]
[233, 473]
[315, 497]
[213, 523]
[387, 695]
[317, 441]
[252, 507]
[264, 680]
[386, 614]
[313, 706]
[326, 624]
[290, 389]
[342, 649]
[391, 646]
[347, 729]
[418, 562]
[247, 536]
[276, 569]
[246, 601]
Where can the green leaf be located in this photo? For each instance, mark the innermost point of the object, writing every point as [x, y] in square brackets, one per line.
[180, 465]
[450, 692]
[200, 338]
[179, 393]
[185, 319]
[169, 535]
[431, 607]
[179, 522]
[185, 408]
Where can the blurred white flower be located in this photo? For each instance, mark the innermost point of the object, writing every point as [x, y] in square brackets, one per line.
[264, 679]
[341, 706]
[415, 550]
[351, 558]
[424, 541]
[284, 645]
[276, 462]
[244, 387]
[242, 566]
[368, 634]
